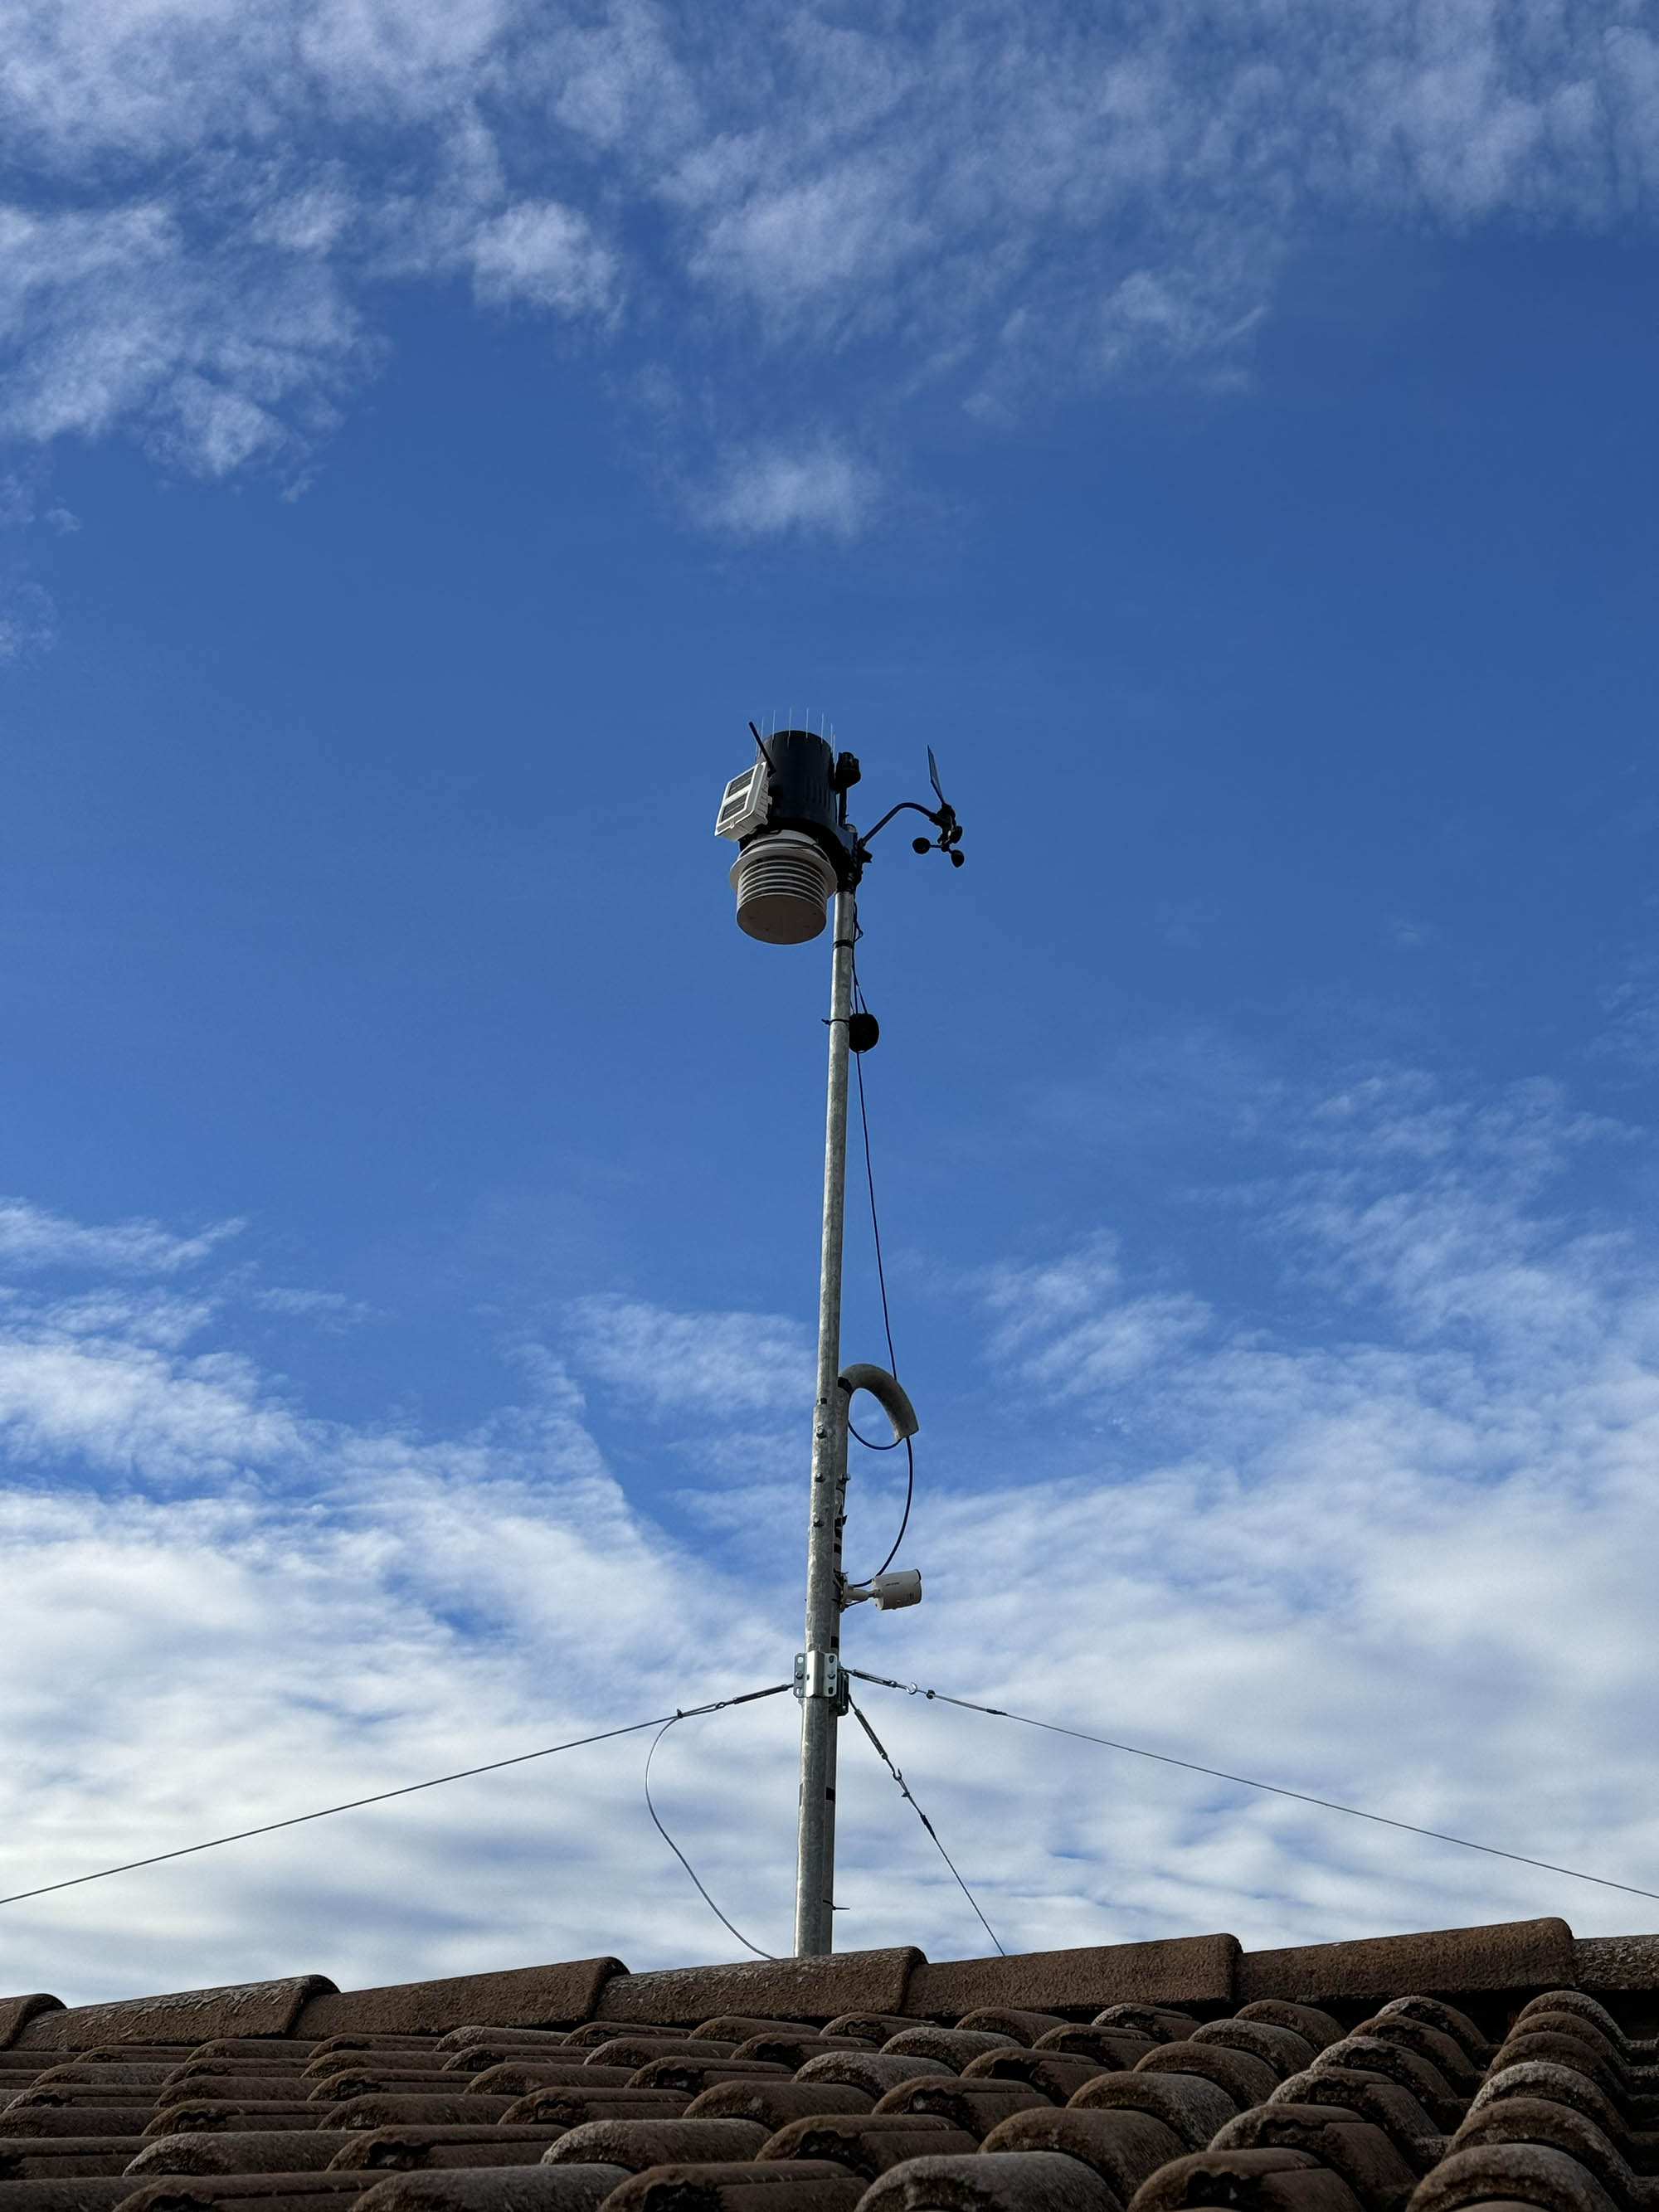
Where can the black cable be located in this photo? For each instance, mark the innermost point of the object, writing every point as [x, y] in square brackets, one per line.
[870, 1180]
[881, 1281]
[408, 1789]
[1244, 1781]
[881, 1753]
[678, 1853]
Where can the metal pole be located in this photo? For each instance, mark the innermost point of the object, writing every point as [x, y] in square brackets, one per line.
[821, 1693]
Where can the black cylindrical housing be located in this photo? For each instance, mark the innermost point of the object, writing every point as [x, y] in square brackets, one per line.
[803, 791]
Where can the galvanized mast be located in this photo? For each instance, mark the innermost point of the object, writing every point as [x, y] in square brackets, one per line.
[798, 858]
[823, 1699]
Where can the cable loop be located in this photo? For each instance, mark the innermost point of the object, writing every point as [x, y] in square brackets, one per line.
[657, 1823]
[881, 1281]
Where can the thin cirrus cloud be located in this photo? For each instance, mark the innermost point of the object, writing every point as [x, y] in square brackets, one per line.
[215, 201]
[1405, 1564]
[32, 1236]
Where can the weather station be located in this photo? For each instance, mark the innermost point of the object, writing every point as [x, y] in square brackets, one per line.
[798, 866]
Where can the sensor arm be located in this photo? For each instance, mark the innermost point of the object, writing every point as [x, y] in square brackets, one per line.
[944, 821]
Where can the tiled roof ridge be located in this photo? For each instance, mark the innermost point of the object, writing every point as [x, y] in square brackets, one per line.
[1497, 2102]
[1209, 1975]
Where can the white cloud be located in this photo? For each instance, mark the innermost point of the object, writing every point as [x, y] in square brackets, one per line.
[1632, 1006]
[1014, 201]
[544, 255]
[29, 621]
[32, 1236]
[769, 490]
[722, 1363]
[1406, 1564]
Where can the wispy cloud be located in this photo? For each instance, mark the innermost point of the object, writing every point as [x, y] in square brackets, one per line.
[724, 1363]
[815, 488]
[32, 1236]
[828, 212]
[28, 620]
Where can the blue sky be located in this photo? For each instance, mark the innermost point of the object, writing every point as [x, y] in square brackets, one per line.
[431, 434]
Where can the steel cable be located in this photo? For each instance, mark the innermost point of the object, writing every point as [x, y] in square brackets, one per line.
[1246, 1782]
[408, 1789]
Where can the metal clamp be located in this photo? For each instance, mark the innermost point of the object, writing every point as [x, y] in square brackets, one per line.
[818, 1674]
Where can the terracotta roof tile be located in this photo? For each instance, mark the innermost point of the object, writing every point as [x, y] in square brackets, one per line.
[1124, 2148]
[1280, 2048]
[1615, 1962]
[1447, 2057]
[408, 2150]
[1187, 1970]
[517, 2077]
[42, 2120]
[801, 2187]
[16, 2013]
[83, 2195]
[1356, 2149]
[950, 2048]
[1246, 2079]
[1009, 2020]
[774, 1988]
[1448, 2019]
[793, 2051]
[693, 2075]
[868, 2143]
[572, 2108]
[517, 2189]
[636, 2051]
[593, 2032]
[1542, 2120]
[1562, 2085]
[1054, 2072]
[503, 2050]
[307, 2152]
[775, 2104]
[1189, 2107]
[1528, 2173]
[527, 1996]
[1038, 2181]
[1254, 2180]
[1373, 2054]
[379, 2112]
[516, 2038]
[735, 2027]
[1317, 2028]
[288, 2086]
[874, 2071]
[976, 2107]
[24, 2157]
[216, 2115]
[276, 2192]
[1330, 2078]
[188, 2017]
[637, 2144]
[1157, 2023]
[1514, 1955]
[1374, 2098]
[1108, 2047]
